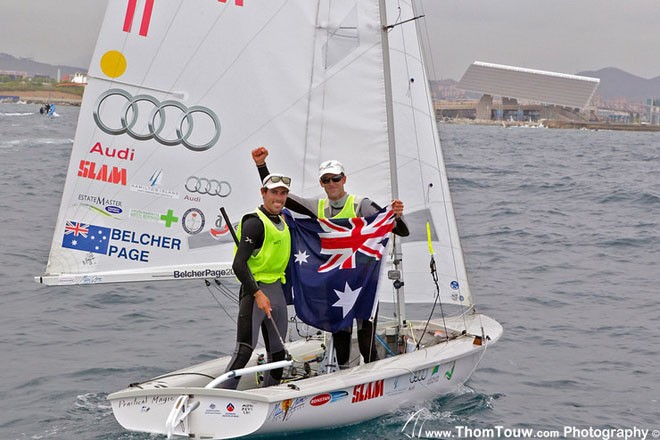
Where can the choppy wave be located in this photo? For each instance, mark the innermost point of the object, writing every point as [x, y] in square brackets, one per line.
[560, 233]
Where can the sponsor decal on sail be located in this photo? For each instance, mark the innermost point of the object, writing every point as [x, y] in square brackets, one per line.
[123, 154]
[101, 205]
[154, 186]
[193, 221]
[93, 171]
[109, 241]
[206, 273]
[211, 187]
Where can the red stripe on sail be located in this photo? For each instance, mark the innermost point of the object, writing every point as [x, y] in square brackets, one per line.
[130, 14]
[146, 18]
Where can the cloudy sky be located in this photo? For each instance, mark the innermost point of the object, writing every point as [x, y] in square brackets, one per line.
[566, 36]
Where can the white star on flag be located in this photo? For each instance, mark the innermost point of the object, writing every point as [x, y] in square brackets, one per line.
[301, 257]
[347, 298]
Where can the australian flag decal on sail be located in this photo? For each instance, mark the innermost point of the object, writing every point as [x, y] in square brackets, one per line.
[334, 267]
[85, 237]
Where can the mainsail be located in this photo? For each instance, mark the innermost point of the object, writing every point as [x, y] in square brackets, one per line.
[163, 141]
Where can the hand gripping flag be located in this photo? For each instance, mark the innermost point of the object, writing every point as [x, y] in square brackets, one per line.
[334, 267]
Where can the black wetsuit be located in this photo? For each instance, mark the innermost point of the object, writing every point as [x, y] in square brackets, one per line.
[250, 317]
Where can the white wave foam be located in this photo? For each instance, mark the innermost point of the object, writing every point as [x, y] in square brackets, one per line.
[17, 114]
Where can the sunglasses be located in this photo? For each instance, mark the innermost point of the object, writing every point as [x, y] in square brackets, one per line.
[336, 179]
[275, 179]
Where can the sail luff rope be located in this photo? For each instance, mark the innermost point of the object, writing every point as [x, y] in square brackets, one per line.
[438, 150]
[410, 105]
[426, 197]
[432, 71]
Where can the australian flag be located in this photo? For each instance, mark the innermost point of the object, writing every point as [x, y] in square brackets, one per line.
[334, 267]
[85, 237]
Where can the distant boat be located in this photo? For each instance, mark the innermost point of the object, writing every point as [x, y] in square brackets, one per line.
[184, 90]
[9, 98]
[47, 109]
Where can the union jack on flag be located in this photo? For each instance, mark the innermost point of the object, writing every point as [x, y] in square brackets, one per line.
[342, 243]
[76, 229]
[334, 267]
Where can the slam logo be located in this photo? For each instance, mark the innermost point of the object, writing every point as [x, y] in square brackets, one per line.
[92, 170]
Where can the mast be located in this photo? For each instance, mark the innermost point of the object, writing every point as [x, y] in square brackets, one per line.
[396, 276]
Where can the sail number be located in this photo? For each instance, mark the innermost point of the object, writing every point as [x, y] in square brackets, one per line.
[146, 15]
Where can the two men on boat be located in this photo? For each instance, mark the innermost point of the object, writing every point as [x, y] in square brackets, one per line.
[339, 204]
[261, 257]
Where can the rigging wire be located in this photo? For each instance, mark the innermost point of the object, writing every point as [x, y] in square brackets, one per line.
[424, 44]
[434, 275]
[226, 292]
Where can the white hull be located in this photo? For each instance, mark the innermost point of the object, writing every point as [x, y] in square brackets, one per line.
[329, 400]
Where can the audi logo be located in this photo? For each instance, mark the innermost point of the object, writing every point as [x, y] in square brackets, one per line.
[161, 116]
[212, 187]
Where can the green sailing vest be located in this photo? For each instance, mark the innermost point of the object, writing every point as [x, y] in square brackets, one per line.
[269, 263]
[348, 211]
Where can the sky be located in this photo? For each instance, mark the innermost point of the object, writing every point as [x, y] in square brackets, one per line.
[567, 36]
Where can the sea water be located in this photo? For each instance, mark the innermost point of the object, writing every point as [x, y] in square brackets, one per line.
[561, 235]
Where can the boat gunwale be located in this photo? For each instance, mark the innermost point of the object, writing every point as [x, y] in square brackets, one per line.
[378, 370]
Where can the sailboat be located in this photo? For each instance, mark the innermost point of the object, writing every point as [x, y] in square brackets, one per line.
[178, 94]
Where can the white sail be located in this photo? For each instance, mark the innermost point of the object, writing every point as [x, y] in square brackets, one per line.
[149, 195]
[164, 140]
[422, 178]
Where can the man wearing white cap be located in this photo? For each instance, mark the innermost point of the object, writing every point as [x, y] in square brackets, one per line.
[261, 257]
[339, 204]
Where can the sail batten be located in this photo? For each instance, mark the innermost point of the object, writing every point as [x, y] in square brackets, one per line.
[177, 272]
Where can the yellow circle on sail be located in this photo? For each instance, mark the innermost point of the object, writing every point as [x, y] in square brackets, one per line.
[113, 64]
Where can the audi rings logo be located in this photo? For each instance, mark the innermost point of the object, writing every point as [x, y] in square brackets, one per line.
[168, 122]
[212, 187]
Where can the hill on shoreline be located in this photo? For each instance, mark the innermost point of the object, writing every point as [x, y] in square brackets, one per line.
[32, 68]
[617, 84]
[614, 83]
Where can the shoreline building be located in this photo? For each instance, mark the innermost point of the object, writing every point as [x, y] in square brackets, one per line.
[526, 95]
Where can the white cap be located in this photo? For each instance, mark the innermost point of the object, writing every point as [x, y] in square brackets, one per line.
[331, 167]
[276, 180]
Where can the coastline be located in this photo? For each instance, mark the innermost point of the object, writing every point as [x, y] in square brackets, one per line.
[58, 97]
[44, 96]
[554, 124]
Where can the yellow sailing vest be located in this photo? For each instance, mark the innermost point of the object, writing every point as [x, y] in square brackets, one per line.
[269, 263]
[348, 211]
